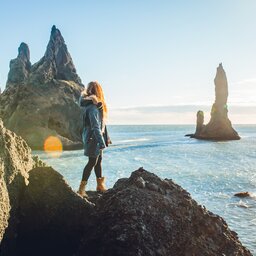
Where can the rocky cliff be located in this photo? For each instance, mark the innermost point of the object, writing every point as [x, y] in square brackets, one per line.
[42, 100]
[219, 127]
[140, 215]
[15, 163]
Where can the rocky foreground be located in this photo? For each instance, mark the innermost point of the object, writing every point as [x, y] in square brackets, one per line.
[140, 215]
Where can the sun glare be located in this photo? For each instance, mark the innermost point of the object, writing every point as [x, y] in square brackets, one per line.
[53, 146]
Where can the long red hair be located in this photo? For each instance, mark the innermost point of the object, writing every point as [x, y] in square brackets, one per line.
[94, 88]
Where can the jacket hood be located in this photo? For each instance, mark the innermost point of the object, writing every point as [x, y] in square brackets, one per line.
[86, 100]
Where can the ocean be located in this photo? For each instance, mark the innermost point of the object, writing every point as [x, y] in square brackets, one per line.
[212, 172]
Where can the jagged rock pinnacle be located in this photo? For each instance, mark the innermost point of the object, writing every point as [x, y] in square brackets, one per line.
[23, 51]
[56, 62]
[53, 29]
[221, 86]
[19, 67]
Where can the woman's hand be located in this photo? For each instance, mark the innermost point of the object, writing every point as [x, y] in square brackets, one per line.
[94, 99]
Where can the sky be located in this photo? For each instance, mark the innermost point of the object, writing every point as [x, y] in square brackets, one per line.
[155, 59]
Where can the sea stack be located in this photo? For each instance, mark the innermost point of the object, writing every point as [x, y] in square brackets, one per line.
[41, 100]
[219, 128]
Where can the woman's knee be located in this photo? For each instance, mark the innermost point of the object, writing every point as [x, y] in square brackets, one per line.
[92, 161]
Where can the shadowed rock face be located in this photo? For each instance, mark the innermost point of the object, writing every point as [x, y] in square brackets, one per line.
[37, 204]
[219, 127]
[42, 100]
[15, 163]
[53, 218]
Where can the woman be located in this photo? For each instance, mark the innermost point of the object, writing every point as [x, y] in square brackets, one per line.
[94, 135]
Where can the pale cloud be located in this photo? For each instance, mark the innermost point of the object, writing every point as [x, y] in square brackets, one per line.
[243, 92]
[245, 82]
[177, 114]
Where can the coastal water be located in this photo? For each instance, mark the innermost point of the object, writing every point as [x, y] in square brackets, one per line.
[211, 171]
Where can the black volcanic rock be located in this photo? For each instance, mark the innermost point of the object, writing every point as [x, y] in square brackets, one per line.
[199, 121]
[52, 216]
[44, 100]
[19, 67]
[219, 128]
[141, 215]
[56, 62]
[145, 215]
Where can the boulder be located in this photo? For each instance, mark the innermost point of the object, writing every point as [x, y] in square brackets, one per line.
[219, 128]
[243, 194]
[145, 215]
[42, 100]
[53, 218]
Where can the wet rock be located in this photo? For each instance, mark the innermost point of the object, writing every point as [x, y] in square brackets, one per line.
[219, 128]
[42, 100]
[243, 194]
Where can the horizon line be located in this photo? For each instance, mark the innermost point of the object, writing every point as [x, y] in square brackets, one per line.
[241, 104]
[188, 124]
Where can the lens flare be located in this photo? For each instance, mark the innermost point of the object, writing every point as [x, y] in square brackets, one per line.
[53, 146]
